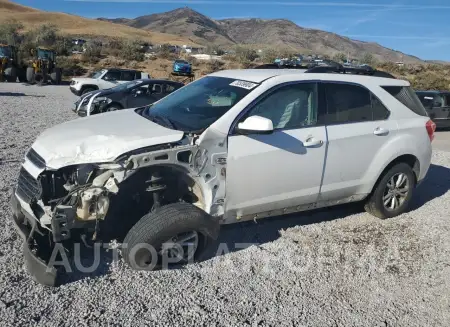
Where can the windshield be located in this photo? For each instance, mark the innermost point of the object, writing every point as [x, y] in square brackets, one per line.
[97, 74]
[181, 62]
[199, 104]
[45, 54]
[5, 52]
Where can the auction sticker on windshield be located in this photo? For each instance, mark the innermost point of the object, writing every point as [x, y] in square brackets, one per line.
[244, 84]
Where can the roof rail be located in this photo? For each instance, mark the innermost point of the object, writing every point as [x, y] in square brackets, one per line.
[365, 70]
[275, 66]
[330, 66]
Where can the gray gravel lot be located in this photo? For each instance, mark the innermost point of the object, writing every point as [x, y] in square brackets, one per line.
[336, 267]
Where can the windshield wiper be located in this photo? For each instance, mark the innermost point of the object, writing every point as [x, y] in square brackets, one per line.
[165, 121]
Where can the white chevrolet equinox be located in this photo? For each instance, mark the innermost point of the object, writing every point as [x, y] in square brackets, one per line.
[233, 146]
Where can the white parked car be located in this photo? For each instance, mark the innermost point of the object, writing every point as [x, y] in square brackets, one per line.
[104, 79]
[233, 146]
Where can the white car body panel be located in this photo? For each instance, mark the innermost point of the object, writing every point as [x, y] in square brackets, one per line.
[274, 171]
[100, 138]
[261, 173]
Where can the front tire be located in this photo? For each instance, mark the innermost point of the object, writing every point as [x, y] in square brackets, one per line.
[393, 192]
[30, 75]
[157, 237]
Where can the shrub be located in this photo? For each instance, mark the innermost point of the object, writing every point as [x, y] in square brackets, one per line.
[214, 66]
[63, 46]
[10, 32]
[70, 66]
[92, 54]
[269, 55]
[340, 57]
[45, 35]
[244, 54]
[132, 50]
[368, 59]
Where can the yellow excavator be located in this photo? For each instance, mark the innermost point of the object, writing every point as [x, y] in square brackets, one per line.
[42, 68]
[10, 68]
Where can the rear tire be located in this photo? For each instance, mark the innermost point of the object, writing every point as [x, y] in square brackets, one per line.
[389, 200]
[30, 75]
[161, 226]
[56, 76]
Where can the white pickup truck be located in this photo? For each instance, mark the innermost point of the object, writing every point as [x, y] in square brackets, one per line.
[104, 79]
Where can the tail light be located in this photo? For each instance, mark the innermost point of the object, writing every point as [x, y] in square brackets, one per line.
[431, 128]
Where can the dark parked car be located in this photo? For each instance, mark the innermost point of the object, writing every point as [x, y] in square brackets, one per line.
[437, 104]
[132, 94]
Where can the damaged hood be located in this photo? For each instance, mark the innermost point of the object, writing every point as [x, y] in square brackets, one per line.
[100, 138]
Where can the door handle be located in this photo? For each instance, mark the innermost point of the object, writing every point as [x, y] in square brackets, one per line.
[312, 142]
[381, 131]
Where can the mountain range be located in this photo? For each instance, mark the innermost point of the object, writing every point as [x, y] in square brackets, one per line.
[276, 33]
[187, 26]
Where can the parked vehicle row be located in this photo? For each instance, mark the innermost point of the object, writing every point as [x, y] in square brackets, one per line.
[437, 104]
[104, 79]
[232, 146]
[132, 94]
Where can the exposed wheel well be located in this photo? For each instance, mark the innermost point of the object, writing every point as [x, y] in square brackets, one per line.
[409, 159]
[135, 200]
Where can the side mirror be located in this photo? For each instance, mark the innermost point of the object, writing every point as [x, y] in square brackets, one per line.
[255, 125]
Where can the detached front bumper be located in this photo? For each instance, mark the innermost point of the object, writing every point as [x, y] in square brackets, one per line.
[27, 227]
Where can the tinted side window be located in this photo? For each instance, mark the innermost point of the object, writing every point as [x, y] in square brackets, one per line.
[379, 111]
[290, 106]
[407, 97]
[112, 75]
[169, 88]
[348, 103]
[447, 100]
[127, 76]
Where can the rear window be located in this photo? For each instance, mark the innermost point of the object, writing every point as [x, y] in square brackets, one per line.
[407, 97]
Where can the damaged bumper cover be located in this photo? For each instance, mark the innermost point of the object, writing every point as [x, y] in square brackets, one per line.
[27, 227]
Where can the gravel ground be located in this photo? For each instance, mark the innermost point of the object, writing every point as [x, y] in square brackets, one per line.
[336, 267]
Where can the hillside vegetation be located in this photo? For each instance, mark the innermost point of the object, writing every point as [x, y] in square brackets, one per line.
[73, 25]
[274, 33]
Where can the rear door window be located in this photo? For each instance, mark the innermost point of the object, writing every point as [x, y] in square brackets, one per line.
[128, 76]
[349, 103]
[407, 97]
[112, 75]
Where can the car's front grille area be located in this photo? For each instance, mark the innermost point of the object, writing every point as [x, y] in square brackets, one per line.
[28, 188]
[35, 159]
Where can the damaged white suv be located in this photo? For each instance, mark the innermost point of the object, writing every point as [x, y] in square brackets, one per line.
[232, 146]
